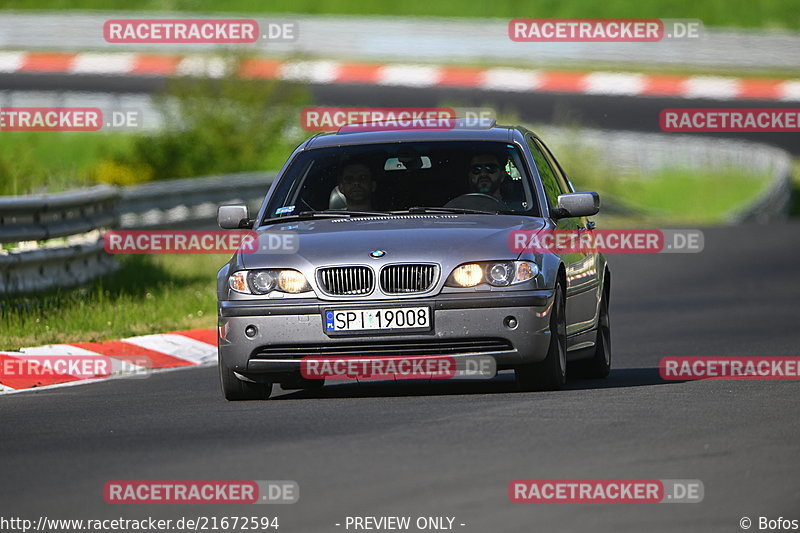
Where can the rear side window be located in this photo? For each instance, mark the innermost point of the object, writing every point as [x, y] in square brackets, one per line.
[551, 186]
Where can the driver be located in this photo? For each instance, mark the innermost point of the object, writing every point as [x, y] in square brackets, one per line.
[485, 175]
[356, 185]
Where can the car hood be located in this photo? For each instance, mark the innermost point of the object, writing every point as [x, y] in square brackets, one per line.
[441, 238]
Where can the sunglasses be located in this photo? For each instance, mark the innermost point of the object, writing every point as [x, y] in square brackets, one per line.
[491, 168]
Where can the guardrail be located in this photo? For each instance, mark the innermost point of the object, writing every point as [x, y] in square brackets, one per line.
[774, 203]
[73, 217]
[59, 240]
[189, 202]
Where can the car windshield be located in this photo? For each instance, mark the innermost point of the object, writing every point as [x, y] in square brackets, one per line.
[375, 179]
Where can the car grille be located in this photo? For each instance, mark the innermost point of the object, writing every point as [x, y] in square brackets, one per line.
[383, 348]
[346, 281]
[405, 279]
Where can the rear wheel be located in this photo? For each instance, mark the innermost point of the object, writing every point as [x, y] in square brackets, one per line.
[235, 389]
[550, 374]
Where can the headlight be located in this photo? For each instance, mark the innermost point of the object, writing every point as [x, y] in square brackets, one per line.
[261, 281]
[266, 281]
[500, 274]
[467, 275]
[292, 281]
[495, 273]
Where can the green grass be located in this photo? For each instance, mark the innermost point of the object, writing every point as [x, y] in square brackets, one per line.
[149, 294]
[52, 161]
[44, 161]
[744, 13]
[680, 196]
[669, 196]
[47, 161]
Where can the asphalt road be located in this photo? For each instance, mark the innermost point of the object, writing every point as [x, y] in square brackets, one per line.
[596, 111]
[452, 449]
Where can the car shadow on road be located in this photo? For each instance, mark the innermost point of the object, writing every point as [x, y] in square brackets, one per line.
[503, 383]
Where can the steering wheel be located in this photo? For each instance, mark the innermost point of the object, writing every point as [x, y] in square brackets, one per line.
[478, 201]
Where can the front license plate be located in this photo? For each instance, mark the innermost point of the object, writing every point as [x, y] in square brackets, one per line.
[387, 319]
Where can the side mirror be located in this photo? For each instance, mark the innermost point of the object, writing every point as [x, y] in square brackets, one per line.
[234, 217]
[577, 204]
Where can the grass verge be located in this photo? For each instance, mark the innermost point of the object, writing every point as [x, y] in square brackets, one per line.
[743, 13]
[48, 161]
[149, 294]
[680, 197]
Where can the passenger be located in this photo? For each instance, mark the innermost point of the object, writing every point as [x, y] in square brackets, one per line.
[357, 186]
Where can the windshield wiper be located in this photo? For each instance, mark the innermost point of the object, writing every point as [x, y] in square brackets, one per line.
[345, 212]
[456, 210]
[327, 213]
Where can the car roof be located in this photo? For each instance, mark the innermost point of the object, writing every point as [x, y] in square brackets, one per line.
[461, 132]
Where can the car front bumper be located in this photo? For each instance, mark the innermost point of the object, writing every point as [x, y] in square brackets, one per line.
[463, 325]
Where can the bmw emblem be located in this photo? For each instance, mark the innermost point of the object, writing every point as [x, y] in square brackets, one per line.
[377, 254]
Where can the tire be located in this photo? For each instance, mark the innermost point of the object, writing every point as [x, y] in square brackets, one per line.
[235, 389]
[550, 374]
[598, 366]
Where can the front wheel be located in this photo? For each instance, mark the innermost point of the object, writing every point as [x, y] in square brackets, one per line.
[235, 389]
[550, 374]
[599, 366]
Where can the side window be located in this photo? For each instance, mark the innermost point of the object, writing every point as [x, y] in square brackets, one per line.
[563, 181]
[551, 186]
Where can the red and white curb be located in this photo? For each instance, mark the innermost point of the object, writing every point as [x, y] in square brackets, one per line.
[408, 75]
[164, 351]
